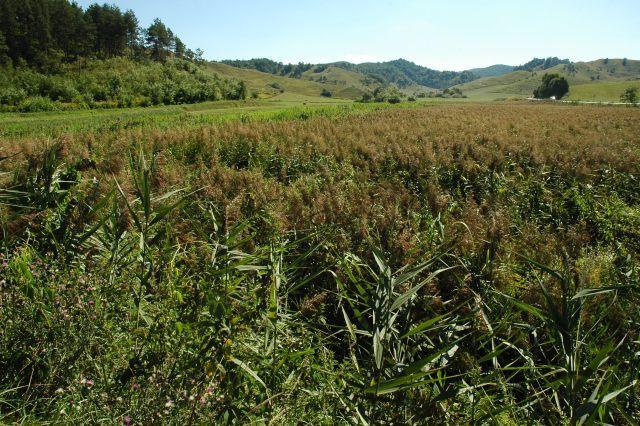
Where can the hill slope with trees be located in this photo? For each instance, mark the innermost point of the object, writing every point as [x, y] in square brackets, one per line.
[56, 55]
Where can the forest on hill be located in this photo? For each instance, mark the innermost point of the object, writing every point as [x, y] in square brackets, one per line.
[400, 72]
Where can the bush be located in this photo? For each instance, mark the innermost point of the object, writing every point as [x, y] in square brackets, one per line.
[630, 95]
[12, 96]
[394, 100]
[37, 104]
[326, 93]
[552, 86]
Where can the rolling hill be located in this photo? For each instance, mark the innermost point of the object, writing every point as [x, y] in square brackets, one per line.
[599, 80]
[520, 84]
[268, 85]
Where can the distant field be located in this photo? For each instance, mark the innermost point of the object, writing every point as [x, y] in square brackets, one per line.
[281, 106]
[55, 123]
[601, 92]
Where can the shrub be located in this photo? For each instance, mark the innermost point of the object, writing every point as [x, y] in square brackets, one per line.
[12, 96]
[326, 93]
[37, 104]
[630, 95]
[553, 85]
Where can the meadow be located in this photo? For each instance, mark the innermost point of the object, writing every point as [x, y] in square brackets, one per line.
[458, 263]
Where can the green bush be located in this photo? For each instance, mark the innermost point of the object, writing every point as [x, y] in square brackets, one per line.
[552, 86]
[37, 104]
[119, 82]
[12, 96]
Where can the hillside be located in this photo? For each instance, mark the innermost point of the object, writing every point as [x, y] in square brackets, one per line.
[492, 71]
[350, 80]
[405, 74]
[340, 85]
[522, 83]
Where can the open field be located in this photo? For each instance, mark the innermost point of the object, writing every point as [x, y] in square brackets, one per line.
[56, 123]
[279, 107]
[464, 263]
[601, 92]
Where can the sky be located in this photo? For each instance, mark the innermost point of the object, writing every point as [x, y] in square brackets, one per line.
[445, 34]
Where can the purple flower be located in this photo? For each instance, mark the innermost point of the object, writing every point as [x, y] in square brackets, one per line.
[127, 420]
[91, 302]
[135, 386]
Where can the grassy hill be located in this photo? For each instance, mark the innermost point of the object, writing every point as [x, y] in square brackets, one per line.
[349, 84]
[268, 85]
[521, 84]
[342, 84]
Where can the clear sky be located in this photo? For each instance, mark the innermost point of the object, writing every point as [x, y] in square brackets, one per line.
[442, 34]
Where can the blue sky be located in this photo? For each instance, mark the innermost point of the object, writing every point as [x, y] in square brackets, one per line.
[443, 34]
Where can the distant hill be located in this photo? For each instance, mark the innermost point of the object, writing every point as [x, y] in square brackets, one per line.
[520, 83]
[338, 82]
[538, 64]
[405, 74]
[401, 73]
[492, 71]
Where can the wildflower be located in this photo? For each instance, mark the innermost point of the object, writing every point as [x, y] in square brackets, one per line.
[135, 386]
[91, 303]
[5, 264]
[169, 404]
[86, 382]
[127, 420]
[59, 391]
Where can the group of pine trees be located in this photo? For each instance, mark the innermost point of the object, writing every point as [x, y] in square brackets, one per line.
[39, 33]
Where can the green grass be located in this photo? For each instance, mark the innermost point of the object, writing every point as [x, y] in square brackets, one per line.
[282, 106]
[59, 122]
[601, 92]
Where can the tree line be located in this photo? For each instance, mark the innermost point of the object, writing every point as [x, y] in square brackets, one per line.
[40, 33]
[542, 64]
[271, 67]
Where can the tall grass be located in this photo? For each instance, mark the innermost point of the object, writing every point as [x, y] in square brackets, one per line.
[458, 264]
